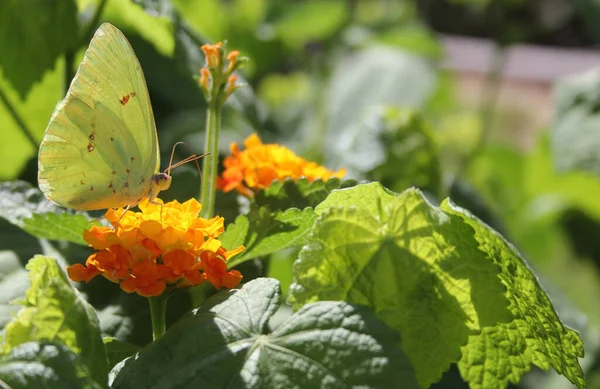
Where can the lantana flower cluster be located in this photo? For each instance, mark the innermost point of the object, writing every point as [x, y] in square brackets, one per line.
[257, 166]
[161, 245]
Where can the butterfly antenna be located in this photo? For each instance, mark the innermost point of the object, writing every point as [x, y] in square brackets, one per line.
[191, 158]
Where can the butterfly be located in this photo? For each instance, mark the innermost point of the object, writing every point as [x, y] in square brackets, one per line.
[100, 149]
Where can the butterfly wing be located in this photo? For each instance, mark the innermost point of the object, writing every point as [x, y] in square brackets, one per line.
[100, 149]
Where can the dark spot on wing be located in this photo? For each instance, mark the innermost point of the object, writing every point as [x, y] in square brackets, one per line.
[128, 171]
[81, 182]
[126, 185]
[110, 185]
[138, 200]
[112, 138]
[90, 147]
[142, 180]
[114, 172]
[124, 100]
[91, 188]
[132, 94]
[132, 158]
[114, 191]
[93, 134]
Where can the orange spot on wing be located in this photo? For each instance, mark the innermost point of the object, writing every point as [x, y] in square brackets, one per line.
[124, 100]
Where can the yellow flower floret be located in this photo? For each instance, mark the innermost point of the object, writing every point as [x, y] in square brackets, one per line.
[144, 251]
[257, 166]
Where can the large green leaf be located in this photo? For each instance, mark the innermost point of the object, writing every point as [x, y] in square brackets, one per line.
[452, 287]
[535, 334]
[575, 139]
[44, 365]
[263, 232]
[226, 343]
[54, 311]
[33, 34]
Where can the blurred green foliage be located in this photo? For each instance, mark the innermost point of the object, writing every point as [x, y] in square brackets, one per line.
[354, 84]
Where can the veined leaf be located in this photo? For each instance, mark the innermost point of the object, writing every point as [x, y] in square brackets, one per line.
[55, 312]
[44, 365]
[263, 232]
[58, 226]
[226, 343]
[454, 288]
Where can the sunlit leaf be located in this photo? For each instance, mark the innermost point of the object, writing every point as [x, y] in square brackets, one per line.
[454, 289]
[263, 232]
[54, 311]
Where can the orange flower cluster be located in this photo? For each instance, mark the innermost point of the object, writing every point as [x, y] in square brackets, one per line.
[144, 256]
[215, 74]
[260, 164]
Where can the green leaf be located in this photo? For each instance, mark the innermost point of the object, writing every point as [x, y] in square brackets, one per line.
[535, 334]
[396, 147]
[226, 343]
[410, 156]
[44, 365]
[116, 350]
[54, 311]
[575, 140]
[55, 226]
[19, 200]
[282, 195]
[263, 232]
[326, 17]
[26, 207]
[414, 37]
[13, 284]
[452, 287]
[33, 34]
[358, 84]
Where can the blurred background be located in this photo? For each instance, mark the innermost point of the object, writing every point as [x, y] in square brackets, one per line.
[493, 103]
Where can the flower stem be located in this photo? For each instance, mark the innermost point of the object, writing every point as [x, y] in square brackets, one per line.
[158, 310]
[210, 163]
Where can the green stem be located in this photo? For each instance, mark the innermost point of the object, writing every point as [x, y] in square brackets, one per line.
[158, 311]
[210, 163]
[18, 119]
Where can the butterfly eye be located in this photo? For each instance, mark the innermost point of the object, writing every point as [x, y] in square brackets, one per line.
[163, 181]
